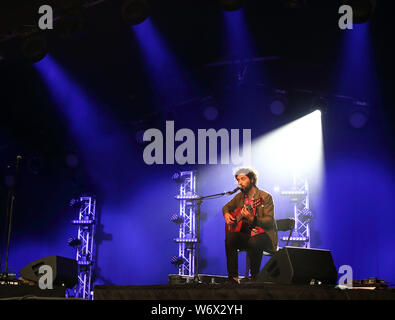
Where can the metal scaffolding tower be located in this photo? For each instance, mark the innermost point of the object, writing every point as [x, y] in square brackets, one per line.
[188, 236]
[299, 197]
[86, 245]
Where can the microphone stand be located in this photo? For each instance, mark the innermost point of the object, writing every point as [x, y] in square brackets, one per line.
[4, 275]
[199, 200]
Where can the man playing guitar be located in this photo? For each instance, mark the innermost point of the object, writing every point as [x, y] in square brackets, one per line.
[250, 224]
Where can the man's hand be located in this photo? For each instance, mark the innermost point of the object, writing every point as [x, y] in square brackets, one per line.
[247, 214]
[229, 219]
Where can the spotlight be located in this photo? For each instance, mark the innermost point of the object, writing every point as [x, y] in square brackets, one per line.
[71, 26]
[177, 260]
[359, 115]
[362, 9]
[211, 113]
[177, 178]
[134, 12]
[231, 5]
[176, 219]
[34, 48]
[73, 242]
[74, 202]
[278, 102]
[277, 107]
[319, 103]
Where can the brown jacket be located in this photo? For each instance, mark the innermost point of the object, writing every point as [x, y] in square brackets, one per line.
[264, 213]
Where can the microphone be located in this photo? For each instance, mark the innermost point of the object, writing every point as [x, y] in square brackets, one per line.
[233, 191]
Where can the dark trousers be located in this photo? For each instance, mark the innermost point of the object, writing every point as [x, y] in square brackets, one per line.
[254, 247]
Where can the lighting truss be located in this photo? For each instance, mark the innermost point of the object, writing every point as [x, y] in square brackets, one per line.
[85, 251]
[299, 197]
[187, 238]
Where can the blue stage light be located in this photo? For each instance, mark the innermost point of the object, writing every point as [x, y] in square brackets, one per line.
[34, 48]
[73, 242]
[134, 12]
[177, 219]
[359, 114]
[231, 5]
[176, 177]
[177, 260]
[362, 9]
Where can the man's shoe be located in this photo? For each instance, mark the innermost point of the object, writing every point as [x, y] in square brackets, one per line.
[232, 281]
[248, 279]
[245, 280]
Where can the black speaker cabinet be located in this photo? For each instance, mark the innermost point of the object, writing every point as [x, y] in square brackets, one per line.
[293, 265]
[65, 270]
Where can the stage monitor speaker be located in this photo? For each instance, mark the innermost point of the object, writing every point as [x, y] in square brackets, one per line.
[293, 265]
[65, 270]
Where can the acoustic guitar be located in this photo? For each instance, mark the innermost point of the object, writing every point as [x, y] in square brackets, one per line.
[238, 223]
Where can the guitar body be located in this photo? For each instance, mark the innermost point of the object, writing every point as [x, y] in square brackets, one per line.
[238, 224]
[235, 227]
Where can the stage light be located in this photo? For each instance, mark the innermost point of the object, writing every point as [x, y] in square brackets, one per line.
[70, 26]
[134, 12]
[177, 260]
[359, 115]
[320, 104]
[74, 202]
[83, 222]
[186, 240]
[231, 5]
[211, 113]
[34, 48]
[177, 219]
[295, 149]
[277, 107]
[188, 196]
[177, 178]
[362, 9]
[73, 242]
[278, 103]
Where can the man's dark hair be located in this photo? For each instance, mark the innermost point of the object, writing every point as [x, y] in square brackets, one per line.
[249, 172]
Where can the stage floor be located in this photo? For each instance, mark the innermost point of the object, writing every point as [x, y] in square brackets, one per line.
[243, 291]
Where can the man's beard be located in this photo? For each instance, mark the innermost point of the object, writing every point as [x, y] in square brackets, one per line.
[247, 189]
